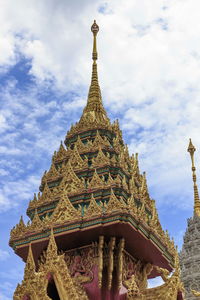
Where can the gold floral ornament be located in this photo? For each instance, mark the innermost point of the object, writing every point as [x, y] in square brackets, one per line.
[52, 173]
[132, 185]
[61, 154]
[36, 224]
[79, 144]
[64, 211]
[100, 160]
[18, 230]
[93, 209]
[124, 184]
[33, 203]
[96, 181]
[144, 188]
[110, 180]
[46, 194]
[118, 180]
[76, 161]
[132, 206]
[53, 266]
[98, 141]
[70, 182]
[114, 204]
[116, 129]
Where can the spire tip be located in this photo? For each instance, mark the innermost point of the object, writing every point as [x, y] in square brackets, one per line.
[191, 149]
[95, 28]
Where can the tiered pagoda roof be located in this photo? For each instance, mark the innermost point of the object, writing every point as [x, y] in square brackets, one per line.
[94, 190]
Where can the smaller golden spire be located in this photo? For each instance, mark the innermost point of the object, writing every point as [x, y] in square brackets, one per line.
[94, 95]
[191, 149]
[94, 109]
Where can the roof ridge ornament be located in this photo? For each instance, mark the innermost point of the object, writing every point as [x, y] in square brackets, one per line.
[191, 149]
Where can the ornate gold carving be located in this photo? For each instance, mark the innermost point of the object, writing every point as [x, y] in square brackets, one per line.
[132, 206]
[100, 160]
[80, 146]
[70, 182]
[29, 270]
[33, 203]
[169, 289]
[76, 161]
[64, 211]
[52, 173]
[113, 160]
[98, 141]
[100, 260]
[93, 209]
[80, 263]
[124, 184]
[164, 273]
[118, 180]
[53, 266]
[96, 181]
[115, 204]
[133, 290]
[36, 223]
[116, 129]
[117, 144]
[144, 188]
[18, 230]
[132, 185]
[61, 154]
[110, 180]
[111, 246]
[142, 213]
[46, 194]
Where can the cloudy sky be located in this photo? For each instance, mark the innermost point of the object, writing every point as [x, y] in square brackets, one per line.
[149, 72]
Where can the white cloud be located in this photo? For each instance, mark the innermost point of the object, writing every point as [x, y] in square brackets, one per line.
[149, 70]
[3, 255]
[149, 73]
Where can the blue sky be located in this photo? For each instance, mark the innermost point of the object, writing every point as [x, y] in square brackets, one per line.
[149, 72]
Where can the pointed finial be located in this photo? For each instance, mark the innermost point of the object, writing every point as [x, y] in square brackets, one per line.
[191, 149]
[30, 263]
[94, 110]
[94, 29]
[52, 247]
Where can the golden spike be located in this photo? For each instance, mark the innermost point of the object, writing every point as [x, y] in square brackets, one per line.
[52, 247]
[30, 264]
[191, 149]
[94, 109]
[93, 209]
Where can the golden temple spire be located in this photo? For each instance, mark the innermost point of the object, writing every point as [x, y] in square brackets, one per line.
[94, 108]
[30, 263]
[191, 149]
